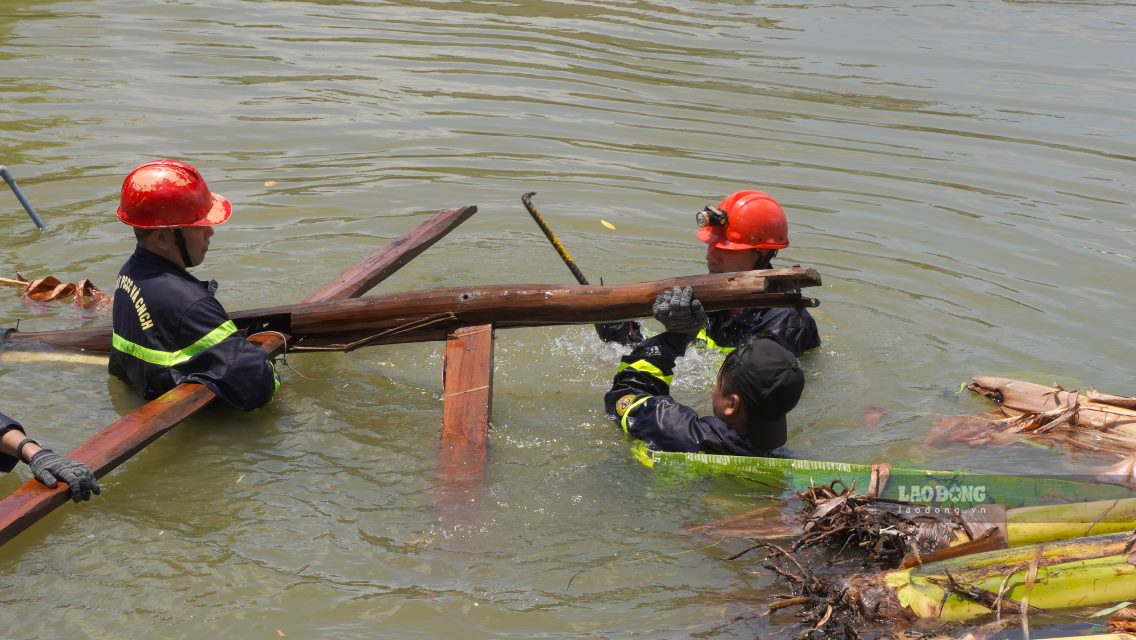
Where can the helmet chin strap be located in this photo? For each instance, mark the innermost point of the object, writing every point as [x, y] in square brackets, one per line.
[765, 259]
[179, 240]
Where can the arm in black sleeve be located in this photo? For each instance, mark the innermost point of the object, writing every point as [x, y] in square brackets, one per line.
[629, 333]
[237, 370]
[648, 369]
[8, 462]
[643, 374]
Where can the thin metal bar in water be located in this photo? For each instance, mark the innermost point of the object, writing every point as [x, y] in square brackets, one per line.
[11, 180]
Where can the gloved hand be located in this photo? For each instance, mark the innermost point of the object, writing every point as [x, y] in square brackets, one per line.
[679, 311]
[627, 332]
[50, 467]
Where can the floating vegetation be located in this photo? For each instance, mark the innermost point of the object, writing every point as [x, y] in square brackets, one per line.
[1026, 580]
[846, 519]
[1094, 421]
[83, 294]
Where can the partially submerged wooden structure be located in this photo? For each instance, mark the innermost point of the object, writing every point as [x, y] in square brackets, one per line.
[467, 383]
[1092, 420]
[115, 444]
[416, 316]
[336, 318]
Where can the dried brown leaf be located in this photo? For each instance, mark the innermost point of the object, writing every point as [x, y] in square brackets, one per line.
[83, 294]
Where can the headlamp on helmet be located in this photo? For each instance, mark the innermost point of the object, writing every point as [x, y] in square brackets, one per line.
[755, 221]
[711, 217]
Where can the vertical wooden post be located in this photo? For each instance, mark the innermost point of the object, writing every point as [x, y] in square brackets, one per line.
[467, 383]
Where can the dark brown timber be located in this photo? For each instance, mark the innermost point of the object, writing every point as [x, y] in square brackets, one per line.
[467, 384]
[125, 437]
[381, 264]
[428, 315]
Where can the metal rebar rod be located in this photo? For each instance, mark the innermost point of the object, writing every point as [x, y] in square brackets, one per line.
[11, 180]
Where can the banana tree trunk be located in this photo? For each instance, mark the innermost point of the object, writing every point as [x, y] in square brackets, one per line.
[1090, 571]
[945, 490]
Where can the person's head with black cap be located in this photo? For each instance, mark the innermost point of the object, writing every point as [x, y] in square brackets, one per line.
[758, 384]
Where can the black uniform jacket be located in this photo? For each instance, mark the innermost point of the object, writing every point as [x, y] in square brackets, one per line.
[7, 462]
[796, 332]
[169, 329]
[640, 403]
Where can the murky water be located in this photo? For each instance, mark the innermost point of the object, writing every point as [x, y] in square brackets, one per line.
[961, 174]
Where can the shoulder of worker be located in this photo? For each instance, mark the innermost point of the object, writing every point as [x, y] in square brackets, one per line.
[797, 333]
[668, 425]
[149, 270]
[163, 287]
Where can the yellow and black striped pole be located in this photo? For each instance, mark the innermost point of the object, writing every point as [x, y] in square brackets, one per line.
[527, 201]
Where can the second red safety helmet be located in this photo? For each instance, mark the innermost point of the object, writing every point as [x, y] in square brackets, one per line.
[167, 193]
[754, 221]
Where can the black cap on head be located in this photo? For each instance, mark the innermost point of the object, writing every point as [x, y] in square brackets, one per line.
[767, 378]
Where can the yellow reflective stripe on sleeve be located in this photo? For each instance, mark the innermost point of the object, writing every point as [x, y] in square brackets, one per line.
[173, 358]
[649, 369]
[623, 420]
[709, 343]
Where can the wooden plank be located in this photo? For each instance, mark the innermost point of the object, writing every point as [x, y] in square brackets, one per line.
[467, 383]
[128, 435]
[383, 263]
[502, 305]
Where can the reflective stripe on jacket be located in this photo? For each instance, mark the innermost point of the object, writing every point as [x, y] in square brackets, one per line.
[725, 332]
[170, 329]
[639, 402]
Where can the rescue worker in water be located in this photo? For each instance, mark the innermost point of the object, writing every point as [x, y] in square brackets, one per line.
[743, 232]
[168, 326]
[758, 384]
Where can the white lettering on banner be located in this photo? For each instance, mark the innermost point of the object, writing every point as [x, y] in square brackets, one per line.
[939, 494]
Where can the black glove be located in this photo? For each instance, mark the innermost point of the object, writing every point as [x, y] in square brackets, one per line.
[679, 311]
[50, 467]
[626, 333]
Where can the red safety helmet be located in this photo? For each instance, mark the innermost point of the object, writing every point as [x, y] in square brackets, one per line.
[753, 220]
[167, 193]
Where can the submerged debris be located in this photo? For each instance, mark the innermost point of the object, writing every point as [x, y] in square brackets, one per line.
[1123, 621]
[1095, 421]
[847, 519]
[83, 294]
[833, 606]
[845, 606]
[1019, 581]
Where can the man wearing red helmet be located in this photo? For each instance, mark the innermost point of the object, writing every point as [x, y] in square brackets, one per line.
[168, 326]
[743, 232]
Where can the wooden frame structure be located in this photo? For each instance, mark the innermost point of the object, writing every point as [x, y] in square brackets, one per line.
[336, 318]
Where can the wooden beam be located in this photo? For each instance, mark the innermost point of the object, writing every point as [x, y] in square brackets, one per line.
[383, 263]
[128, 435]
[467, 384]
[439, 311]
